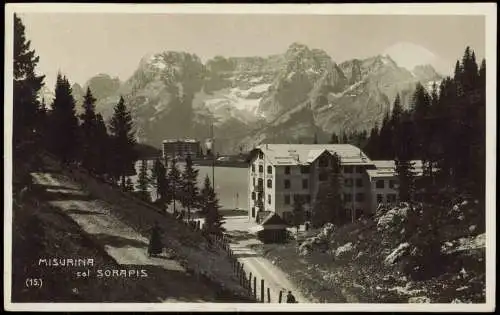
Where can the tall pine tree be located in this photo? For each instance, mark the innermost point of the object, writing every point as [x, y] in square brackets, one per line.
[189, 194]
[27, 84]
[159, 181]
[64, 127]
[210, 207]
[334, 139]
[123, 142]
[404, 165]
[328, 204]
[174, 183]
[90, 153]
[386, 147]
[421, 103]
[142, 186]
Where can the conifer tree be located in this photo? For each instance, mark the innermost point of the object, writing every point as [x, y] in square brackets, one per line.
[328, 204]
[159, 180]
[210, 207]
[189, 196]
[27, 84]
[403, 163]
[64, 123]
[421, 103]
[372, 146]
[386, 147]
[123, 142]
[334, 138]
[397, 112]
[89, 149]
[174, 182]
[142, 186]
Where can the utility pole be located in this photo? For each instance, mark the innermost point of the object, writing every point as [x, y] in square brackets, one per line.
[213, 157]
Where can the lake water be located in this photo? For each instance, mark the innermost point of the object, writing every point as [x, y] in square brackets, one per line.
[231, 184]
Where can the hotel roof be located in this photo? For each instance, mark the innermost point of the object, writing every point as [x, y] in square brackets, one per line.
[303, 154]
[180, 140]
[387, 168]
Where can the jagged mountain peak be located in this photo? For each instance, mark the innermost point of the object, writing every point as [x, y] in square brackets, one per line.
[291, 95]
[426, 72]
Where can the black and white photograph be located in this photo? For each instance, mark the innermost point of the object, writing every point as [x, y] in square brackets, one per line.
[238, 157]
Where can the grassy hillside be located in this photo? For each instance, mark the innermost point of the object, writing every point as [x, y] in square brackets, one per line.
[44, 231]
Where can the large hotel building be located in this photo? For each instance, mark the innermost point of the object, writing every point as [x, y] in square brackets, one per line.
[180, 148]
[279, 172]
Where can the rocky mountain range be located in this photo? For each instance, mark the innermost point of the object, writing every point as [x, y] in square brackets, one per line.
[281, 98]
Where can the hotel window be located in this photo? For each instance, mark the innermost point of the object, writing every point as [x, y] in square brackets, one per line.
[287, 184]
[359, 169]
[304, 169]
[253, 212]
[348, 182]
[269, 183]
[261, 182]
[253, 180]
[380, 183]
[305, 184]
[261, 155]
[380, 198]
[322, 176]
[392, 184]
[287, 170]
[269, 170]
[359, 182]
[260, 196]
[269, 199]
[253, 168]
[287, 199]
[360, 197]
[348, 197]
[348, 169]
[261, 169]
[253, 195]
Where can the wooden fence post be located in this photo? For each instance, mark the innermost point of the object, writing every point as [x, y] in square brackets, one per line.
[242, 272]
[237, 268]
[250, 282]
[262, 290]
[281, 296]
[255, 287]
[268, 295]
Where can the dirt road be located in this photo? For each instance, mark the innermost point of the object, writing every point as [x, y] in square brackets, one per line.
[262, 268]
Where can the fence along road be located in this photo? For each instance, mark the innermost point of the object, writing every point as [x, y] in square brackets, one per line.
[260, 267]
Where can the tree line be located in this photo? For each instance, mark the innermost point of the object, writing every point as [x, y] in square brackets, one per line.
[444, 128]
[171, 185]
[106, 151]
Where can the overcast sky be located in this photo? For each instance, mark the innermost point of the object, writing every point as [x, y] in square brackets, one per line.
[83, 45]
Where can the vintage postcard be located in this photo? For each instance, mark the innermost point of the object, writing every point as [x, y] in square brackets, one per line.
[237, 157]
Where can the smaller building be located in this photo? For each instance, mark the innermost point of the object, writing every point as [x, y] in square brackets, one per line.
[384, 182]
[272, 229]
[180, 148]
